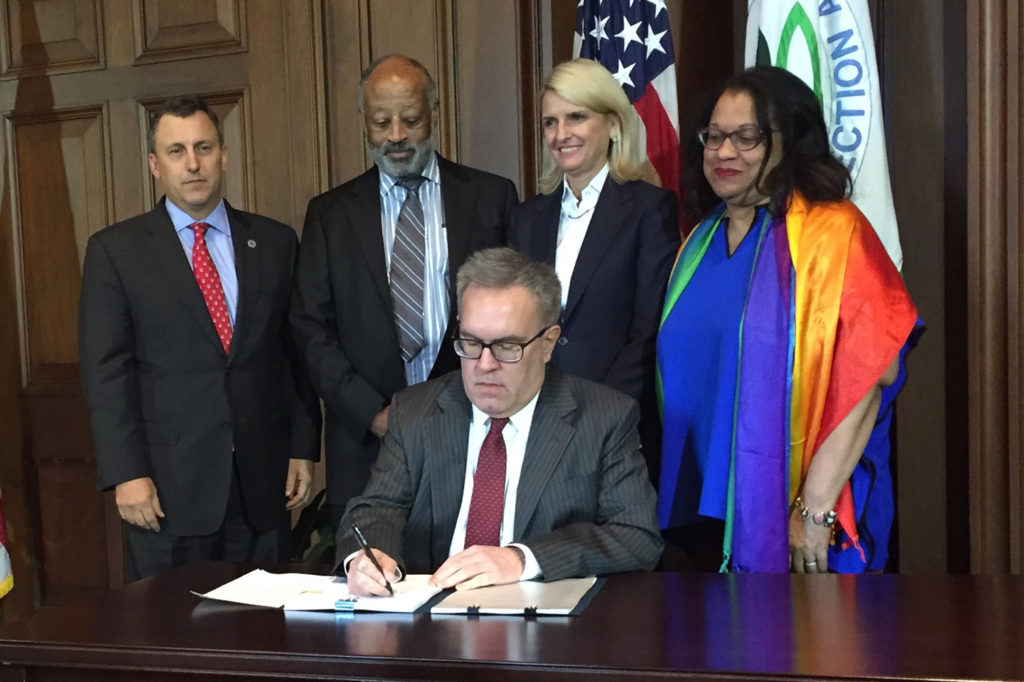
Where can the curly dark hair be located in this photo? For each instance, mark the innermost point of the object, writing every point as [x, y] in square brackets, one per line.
[783, 103]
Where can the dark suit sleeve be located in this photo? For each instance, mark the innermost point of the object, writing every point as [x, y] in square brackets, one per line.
[518, 229]
[106, 349]
[625, 535]
[315, 326]
[509, 201]
[382, 511]
[658, 243]
[305, 404]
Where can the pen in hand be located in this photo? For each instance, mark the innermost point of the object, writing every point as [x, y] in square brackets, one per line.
[361, 539]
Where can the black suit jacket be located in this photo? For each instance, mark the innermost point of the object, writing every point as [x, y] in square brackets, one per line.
[584, 504]
[613, 311]
[618, 284]
[342, 313]
[165, 401]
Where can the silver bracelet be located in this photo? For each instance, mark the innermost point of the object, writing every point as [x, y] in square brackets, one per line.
[827, 519]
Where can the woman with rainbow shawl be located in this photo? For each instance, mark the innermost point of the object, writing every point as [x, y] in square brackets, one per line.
[783, 322]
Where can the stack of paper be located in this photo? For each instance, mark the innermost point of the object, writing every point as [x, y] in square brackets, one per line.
[305, 592]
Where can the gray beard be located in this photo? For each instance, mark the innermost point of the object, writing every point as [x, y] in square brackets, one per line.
[402, 169]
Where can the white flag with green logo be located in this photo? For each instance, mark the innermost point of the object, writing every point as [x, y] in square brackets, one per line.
[828, 44]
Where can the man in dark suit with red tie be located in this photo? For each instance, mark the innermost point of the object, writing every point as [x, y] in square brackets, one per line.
[203, 420]
[505, 470]
[373, 305]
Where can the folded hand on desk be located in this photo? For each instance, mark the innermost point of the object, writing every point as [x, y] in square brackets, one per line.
[480, 566]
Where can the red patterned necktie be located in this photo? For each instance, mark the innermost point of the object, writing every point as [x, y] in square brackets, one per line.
[209, 283]
[483, 527]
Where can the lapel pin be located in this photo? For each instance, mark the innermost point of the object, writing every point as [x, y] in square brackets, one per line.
[251, 243]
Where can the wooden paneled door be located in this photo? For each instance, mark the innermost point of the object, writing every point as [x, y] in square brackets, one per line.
[76, 80]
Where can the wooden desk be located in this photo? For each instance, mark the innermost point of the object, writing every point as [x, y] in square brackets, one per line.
[639, 626]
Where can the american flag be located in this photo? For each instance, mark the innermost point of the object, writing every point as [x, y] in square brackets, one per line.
[632, 39]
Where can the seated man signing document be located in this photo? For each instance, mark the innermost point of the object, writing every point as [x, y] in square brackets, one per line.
[504, 471]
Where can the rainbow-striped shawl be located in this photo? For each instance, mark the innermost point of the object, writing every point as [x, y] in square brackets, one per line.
[825, 315]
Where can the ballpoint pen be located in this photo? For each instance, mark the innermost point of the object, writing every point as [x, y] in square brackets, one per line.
[361, 539]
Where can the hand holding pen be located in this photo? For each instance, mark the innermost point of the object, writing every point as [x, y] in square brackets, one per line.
[357, 569]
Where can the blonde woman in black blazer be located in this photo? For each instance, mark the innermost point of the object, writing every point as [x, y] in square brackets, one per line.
[611, 236]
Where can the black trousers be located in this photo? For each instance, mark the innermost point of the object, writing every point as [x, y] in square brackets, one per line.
[150, 553]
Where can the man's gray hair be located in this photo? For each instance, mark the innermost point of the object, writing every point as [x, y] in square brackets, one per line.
[502, 268]
[430, 91]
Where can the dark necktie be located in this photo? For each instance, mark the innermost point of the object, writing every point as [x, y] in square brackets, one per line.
[407, 266]
[483, 527]
[209, 283]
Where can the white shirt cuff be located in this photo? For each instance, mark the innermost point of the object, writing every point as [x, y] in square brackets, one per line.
[398, 570]
[531, 569]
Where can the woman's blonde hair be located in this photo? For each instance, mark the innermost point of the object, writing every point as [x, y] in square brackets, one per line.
[586, 83]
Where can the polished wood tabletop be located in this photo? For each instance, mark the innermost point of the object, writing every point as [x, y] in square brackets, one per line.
[654, 626]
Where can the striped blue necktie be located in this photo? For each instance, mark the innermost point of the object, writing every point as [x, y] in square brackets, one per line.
[407, 264]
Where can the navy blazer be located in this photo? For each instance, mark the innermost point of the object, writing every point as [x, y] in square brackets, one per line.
[584, 506]
[165, 401]
[618, 285]
[342, 314]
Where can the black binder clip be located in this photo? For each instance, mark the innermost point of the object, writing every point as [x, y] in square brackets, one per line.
[473, 610]
[530, 612]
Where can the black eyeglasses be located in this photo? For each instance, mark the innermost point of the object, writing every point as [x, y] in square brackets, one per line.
[744, 138]
[503, 351]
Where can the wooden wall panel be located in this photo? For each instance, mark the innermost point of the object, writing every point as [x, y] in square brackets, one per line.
[995, 117]
[491, 92]
[62, 199]
[346, 51]
[61, 185]
[911, 59]
[50, 35]
[291, 104]
[15, 477]
[180, 29]
[72, 527]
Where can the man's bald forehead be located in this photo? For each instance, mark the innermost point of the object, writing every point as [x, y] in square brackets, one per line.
[395, 69]
[398, 66]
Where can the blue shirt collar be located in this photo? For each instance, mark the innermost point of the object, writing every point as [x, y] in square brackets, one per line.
[218, 218]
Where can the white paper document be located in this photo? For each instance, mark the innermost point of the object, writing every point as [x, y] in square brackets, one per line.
[306, 592]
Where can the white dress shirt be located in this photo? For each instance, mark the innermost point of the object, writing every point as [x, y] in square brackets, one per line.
[515, 434]
[572, 227]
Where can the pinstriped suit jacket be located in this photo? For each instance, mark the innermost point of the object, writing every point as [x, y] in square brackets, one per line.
[585, 504]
